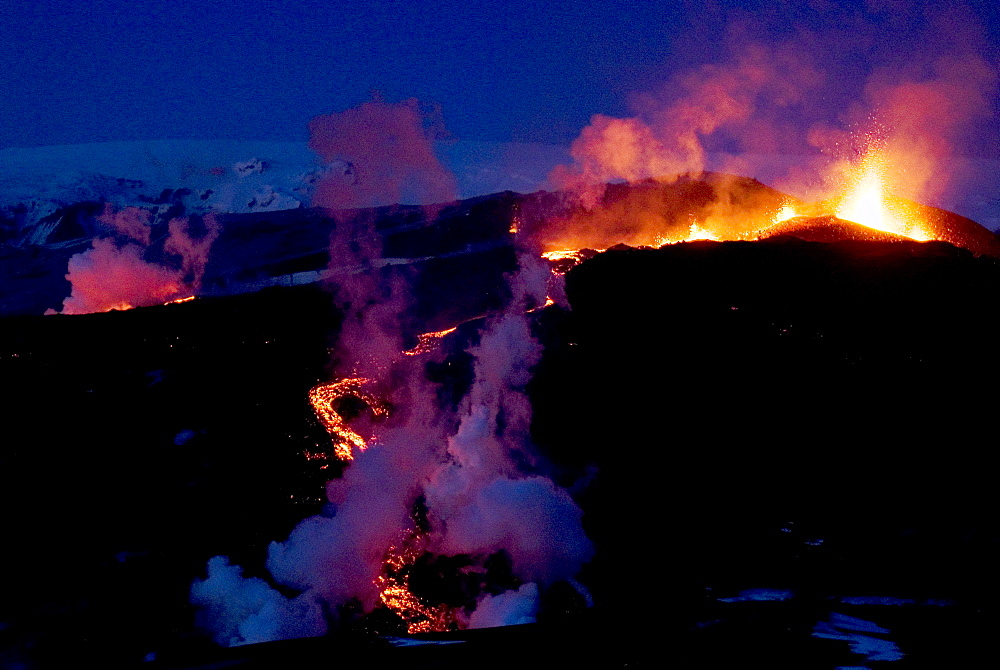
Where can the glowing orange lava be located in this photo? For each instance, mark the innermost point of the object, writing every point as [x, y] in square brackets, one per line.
[394, 589]
[394, 582]
[180, 300]
[323, 399]
[699, 233]
[786, 212]
[866, 201]
[427, 342]
[563, 255]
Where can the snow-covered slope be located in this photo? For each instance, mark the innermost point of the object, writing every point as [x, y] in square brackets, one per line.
[203, 176]
[225, 176]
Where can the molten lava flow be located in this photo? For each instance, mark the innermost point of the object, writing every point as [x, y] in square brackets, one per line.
[180, 300]
[561, 260]
[394, 582]
[563, 255]
[323, 398]
[427, 342]
[866, 201]
[394, 589]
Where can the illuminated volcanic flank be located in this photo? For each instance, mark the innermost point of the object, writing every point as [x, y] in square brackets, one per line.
[719, 207]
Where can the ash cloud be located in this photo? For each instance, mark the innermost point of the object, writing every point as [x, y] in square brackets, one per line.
[507, 609]
[133, 223]
[191, 241]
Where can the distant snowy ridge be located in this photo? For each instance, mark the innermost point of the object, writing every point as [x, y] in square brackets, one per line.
[226, 176]
[202, 176]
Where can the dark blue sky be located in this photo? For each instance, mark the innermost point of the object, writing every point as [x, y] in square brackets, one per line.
[256, 69]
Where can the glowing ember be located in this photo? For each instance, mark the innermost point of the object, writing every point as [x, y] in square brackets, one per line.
[549, 300]
[323, 399]
[427, 342]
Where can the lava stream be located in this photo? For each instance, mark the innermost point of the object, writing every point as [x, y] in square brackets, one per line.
[323, 399]
[428, 342]
[394, 582]
[394, 589]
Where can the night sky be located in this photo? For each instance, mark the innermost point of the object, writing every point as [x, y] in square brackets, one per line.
[522, 70]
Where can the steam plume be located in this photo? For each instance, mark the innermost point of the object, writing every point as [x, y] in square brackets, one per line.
[114, 272]
[472, 470]
[388, 153]
[107, 277]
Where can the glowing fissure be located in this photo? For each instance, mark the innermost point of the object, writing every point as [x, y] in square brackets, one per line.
[565, 254]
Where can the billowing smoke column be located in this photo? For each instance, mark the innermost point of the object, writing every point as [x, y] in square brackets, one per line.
[469, 467]
[114, 272]
[798, 106]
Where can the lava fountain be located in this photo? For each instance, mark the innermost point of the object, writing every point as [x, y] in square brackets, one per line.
[866, 201]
